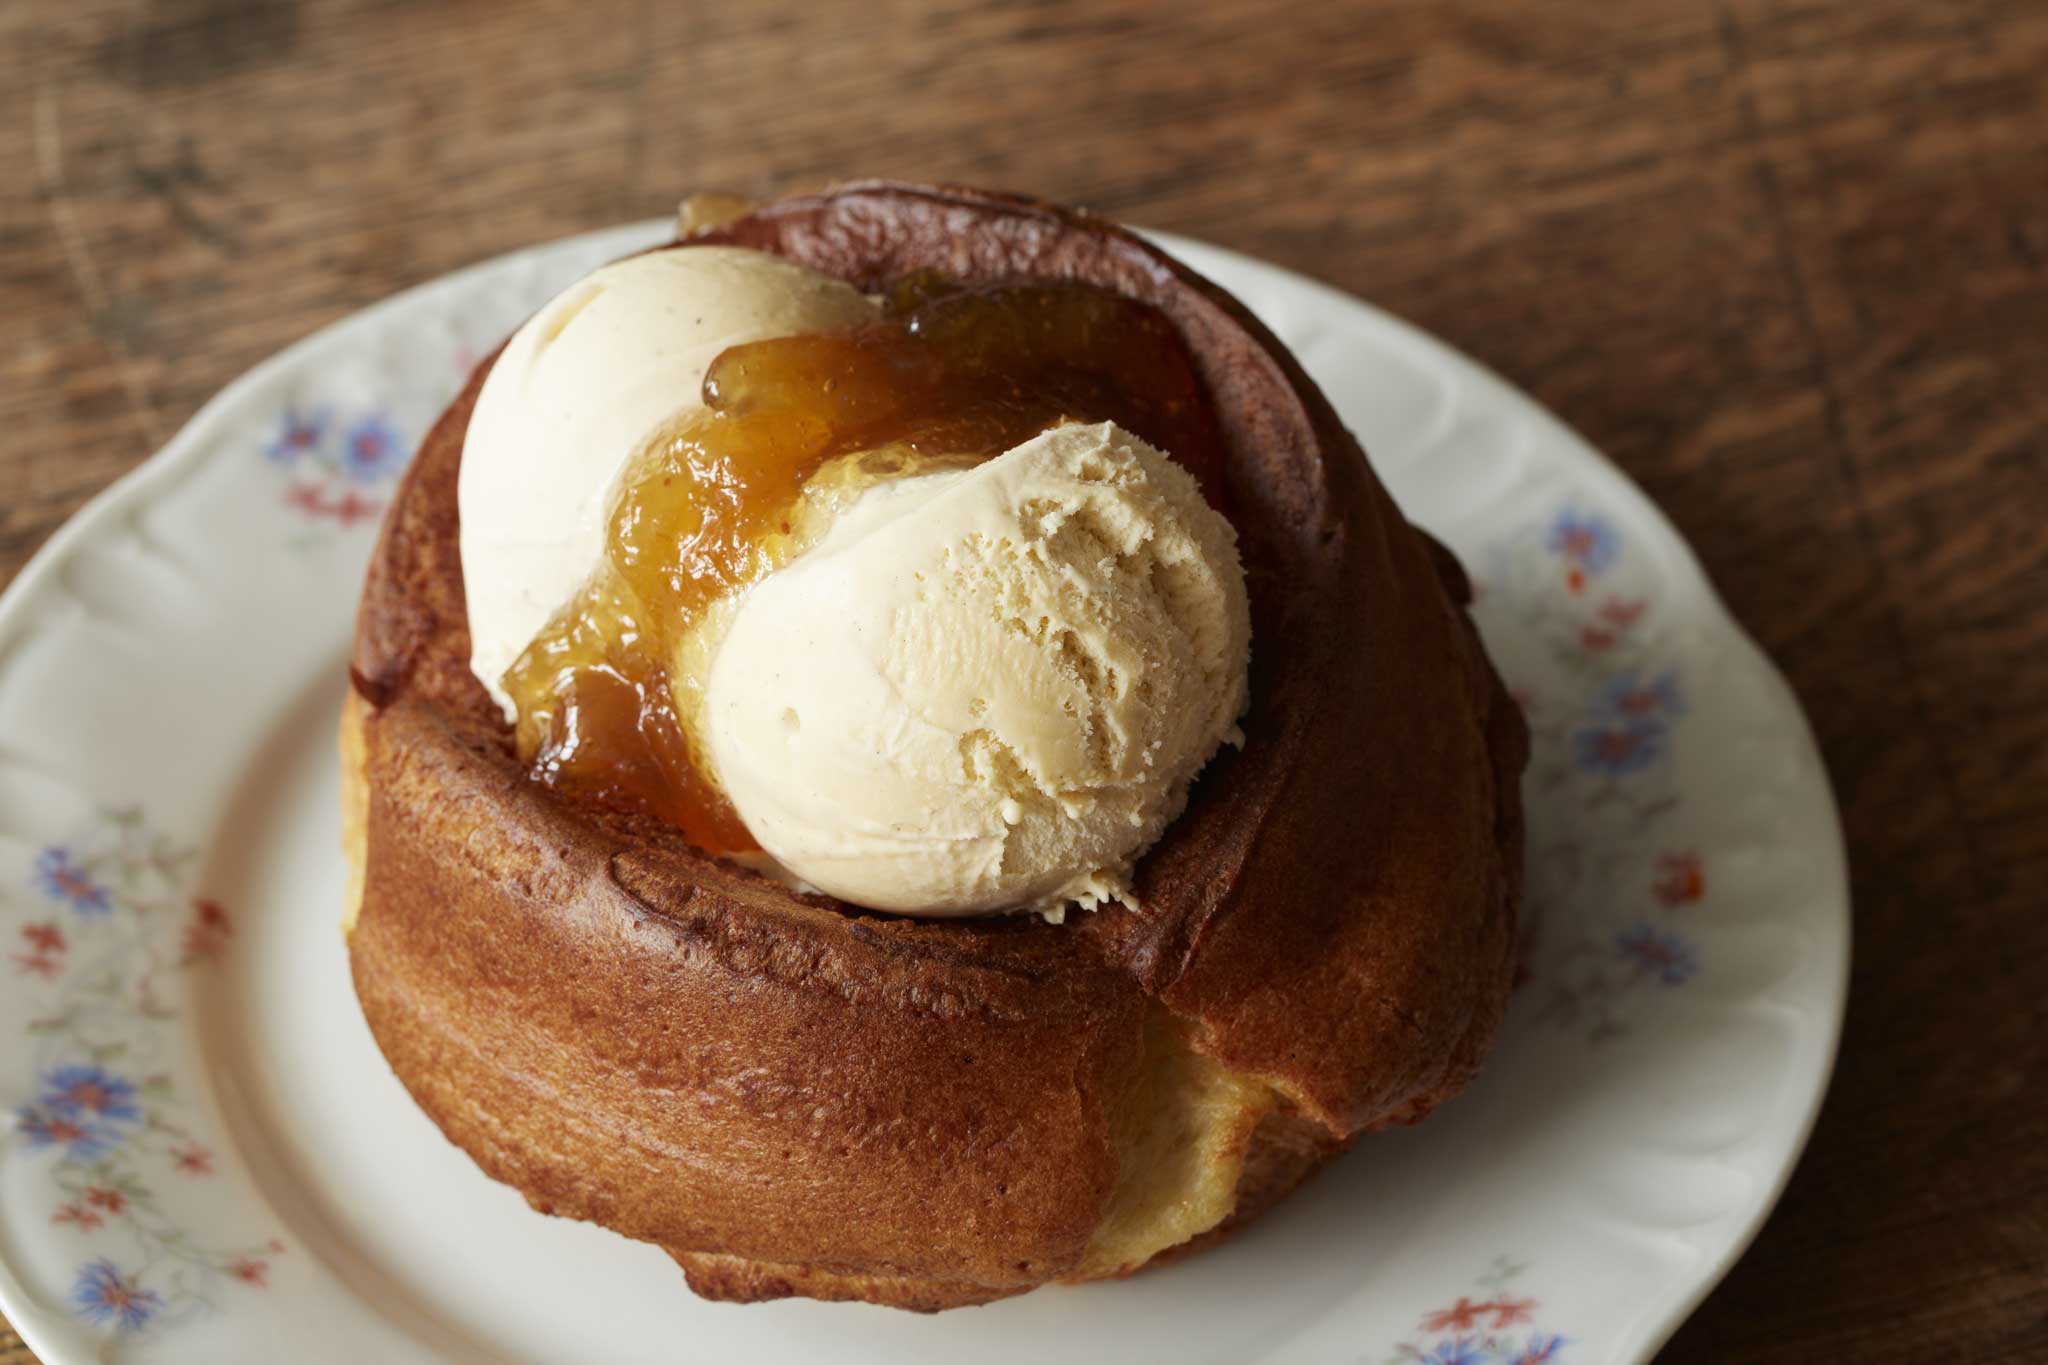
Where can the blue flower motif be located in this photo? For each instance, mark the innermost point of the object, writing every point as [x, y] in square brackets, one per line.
[371, 449]
[79, 1089]
[1542, 1349]
[298, 435]
[1618, 747]
[1636, 695]
[1584, 540]
[62, 877]
[1658, 952]
[103, 1294]
[81, 1138]
[1461, 1351]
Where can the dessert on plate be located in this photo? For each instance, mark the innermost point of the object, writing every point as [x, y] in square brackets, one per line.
[898, 751]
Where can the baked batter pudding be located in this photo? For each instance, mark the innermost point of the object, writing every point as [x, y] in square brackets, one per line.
[899, 752]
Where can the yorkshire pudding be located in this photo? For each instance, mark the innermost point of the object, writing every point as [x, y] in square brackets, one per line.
[794, 1096]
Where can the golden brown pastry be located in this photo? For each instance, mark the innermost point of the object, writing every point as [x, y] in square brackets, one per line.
[794, 1096]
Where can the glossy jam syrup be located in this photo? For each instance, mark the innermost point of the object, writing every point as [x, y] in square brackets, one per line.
[946, 376]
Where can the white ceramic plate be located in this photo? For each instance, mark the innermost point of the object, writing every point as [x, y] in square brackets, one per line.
[208, 1160]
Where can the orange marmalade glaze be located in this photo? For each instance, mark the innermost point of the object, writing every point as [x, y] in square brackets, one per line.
[946, 376]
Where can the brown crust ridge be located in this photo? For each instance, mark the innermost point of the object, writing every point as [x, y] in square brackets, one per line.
[794, 1096]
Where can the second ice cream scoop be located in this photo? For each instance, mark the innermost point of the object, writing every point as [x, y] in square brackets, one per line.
[989, 689]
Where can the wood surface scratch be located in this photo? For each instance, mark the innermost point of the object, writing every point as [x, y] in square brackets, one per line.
[92, 286]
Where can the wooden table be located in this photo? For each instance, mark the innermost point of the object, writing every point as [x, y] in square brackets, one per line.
[1786, 260]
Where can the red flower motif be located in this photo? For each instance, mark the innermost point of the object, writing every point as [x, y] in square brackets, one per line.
[1461, 1316]
[348, 509]
[1681, 878]
[62, 1131]
[1596, 638]
[249, 1270]
[354, 509]
[86, 1219]
[1576, 581]
[100, 1197]
[45, 957]
[1619, 612]
[87, 1094]
[1640, 701]
[1619, 746]
[1465, 1315]
[44, 938]
[193, 1159]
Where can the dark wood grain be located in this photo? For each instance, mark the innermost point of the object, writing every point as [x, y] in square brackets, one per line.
[1786, 260]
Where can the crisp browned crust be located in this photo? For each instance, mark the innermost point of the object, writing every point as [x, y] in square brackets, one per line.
[793, 1096]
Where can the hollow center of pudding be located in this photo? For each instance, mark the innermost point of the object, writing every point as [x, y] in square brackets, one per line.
[950, 376]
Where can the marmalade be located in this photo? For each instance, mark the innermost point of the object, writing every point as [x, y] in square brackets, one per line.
[946, 376]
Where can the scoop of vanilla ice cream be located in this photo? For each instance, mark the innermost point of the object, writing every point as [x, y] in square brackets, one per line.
[576, 392]
[989, 689]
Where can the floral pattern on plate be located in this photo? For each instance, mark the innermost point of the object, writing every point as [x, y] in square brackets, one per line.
[118, 926]
[337, 468]
[1611, 890]
[1498, 1327]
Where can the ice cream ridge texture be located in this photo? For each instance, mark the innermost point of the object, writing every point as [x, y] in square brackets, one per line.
[899, 752]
